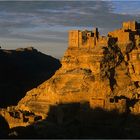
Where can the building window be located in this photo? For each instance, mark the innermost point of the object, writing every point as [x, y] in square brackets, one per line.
[112, 100]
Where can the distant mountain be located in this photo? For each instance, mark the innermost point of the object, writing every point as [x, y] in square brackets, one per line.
[21, 70]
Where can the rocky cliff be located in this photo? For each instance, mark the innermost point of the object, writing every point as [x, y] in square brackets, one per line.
[102, 72]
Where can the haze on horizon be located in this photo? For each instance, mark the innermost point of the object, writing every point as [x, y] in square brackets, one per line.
[45, 24]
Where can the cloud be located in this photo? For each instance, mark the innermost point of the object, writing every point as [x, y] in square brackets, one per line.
[67, 13]
[48, 21]
[127, 7]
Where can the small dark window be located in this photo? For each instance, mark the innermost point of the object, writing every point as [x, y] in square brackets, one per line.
[111, 100]
[88, 34]
[37, 118]
[25, 119]
[116, 100]
[92, 34]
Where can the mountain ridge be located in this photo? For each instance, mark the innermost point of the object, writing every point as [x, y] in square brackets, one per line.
[21, 70]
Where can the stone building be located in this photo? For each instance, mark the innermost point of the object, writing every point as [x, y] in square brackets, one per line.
[87, 39]
[130, 32]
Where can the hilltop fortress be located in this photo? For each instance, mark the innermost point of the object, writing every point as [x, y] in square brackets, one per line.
[129, 32]
[100, 71]
[126, 38]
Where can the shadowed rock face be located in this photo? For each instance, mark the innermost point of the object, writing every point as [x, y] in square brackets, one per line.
[4, 128]
[77, 121]
[22, 70]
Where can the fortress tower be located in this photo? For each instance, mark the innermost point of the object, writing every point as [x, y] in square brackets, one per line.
[83, 39]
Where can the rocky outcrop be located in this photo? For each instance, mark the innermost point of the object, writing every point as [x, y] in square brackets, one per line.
[95, 70]
[21, 70]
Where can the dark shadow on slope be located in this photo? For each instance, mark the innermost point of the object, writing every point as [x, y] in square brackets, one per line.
[77, 121]
[112, 79]
[21, 70]
[4, 128]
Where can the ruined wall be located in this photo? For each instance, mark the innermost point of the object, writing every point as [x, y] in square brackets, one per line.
[130, 32]
[73, 38]
[102, 41]
[83, 39]
[130, 25]
[87, 39]
[122, 36]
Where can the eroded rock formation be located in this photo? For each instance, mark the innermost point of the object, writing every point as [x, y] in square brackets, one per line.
[101, 71]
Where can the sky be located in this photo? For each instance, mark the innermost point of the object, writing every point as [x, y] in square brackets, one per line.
[45, 24]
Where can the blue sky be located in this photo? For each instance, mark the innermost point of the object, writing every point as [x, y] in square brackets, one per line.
[45, 24]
